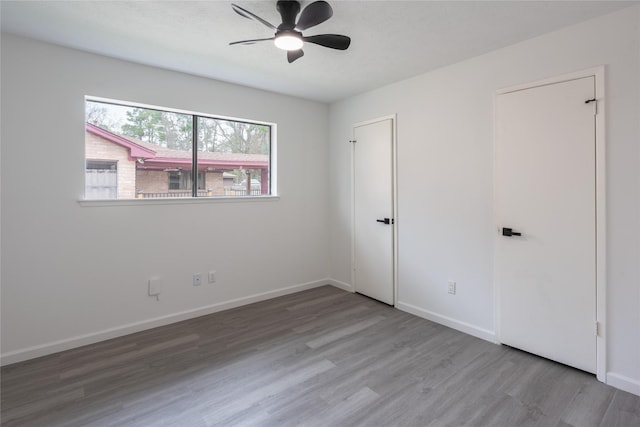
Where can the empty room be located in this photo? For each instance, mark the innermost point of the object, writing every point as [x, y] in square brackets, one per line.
[320, 213]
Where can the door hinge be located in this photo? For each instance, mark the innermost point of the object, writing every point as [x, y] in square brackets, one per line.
[597, 329]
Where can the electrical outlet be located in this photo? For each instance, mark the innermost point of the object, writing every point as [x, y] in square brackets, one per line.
[452, 287]
[154, 288]
[212, 276]
[197, 279]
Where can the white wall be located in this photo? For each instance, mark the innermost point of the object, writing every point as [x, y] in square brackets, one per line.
[445, 178]
[73, 274]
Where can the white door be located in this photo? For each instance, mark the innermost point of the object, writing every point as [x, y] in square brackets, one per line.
[373, 210]
[545, 190]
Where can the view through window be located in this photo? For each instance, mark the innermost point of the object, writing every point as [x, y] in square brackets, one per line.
[134, 152]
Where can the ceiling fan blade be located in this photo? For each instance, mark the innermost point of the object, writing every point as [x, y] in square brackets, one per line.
[334, 41]
[292, 55]
[244, 12]
[251, 41]
[314, 14]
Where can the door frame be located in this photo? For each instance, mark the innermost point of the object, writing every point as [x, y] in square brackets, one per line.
[394, 193]
[600, 328]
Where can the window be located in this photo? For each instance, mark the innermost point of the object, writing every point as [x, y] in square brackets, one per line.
[158, 153]
[182, 181]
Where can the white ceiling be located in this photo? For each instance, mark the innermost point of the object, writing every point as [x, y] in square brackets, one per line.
[391, 40]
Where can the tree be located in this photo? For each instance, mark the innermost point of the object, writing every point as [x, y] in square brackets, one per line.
[145, 125]
[97, 114]
[175, 131]
[178, 130]
[208, 134]
[167, 129]
[246, 138]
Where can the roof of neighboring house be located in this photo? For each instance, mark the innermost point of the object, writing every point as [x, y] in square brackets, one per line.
[156, 157]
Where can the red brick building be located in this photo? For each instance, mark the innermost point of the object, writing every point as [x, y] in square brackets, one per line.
[121, 167]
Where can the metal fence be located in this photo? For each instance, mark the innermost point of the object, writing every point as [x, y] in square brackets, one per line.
[204, 193]
[143, 195]
[253, 192]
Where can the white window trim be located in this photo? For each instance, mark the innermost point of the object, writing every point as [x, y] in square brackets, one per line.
[178, 201]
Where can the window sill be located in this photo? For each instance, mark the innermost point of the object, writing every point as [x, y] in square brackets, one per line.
[177, 201]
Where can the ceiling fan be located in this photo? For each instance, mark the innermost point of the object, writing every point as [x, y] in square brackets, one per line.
[288, 35]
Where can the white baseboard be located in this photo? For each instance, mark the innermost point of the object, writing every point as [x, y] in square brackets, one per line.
[341, 285]
[458, 325]
[91, 338]
[613, 379]
[623, 383]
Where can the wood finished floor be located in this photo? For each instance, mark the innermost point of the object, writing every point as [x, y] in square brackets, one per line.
[322, 357]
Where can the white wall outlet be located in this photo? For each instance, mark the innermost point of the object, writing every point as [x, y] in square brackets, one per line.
[197, 279]
[154, 288]
[212, 276]
[452, 287]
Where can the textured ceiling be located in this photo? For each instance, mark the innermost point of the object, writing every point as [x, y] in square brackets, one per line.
[391, 40]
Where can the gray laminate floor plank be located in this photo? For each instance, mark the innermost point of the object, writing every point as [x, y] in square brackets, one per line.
[624, 410]
[322, 357]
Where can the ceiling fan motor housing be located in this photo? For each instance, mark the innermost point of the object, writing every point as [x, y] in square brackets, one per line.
[288, 11]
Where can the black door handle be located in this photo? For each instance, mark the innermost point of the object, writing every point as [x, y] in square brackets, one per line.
[385, 221]
[509, 232]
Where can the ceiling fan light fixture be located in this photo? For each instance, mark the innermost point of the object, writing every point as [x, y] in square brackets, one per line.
[288, 41]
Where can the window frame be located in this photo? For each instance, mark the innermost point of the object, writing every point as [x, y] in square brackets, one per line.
[271, 165]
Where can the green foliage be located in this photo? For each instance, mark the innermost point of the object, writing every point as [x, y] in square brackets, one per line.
[145, 125]
[174, 130]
